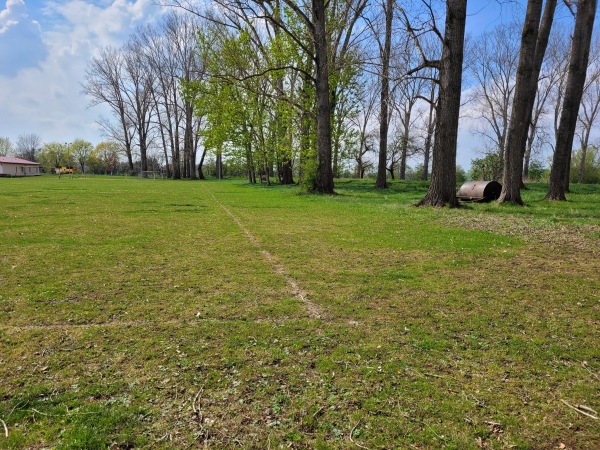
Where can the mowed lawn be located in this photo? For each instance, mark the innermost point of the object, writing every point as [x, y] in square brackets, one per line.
[205, 314]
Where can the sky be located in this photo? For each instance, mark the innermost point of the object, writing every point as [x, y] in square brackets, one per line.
[45, 46]
[44, 49]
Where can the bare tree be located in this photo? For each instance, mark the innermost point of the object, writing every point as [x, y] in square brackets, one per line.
[578, 63]
[494, 71]
[104, 83]
[363, 124]
[387, 7]
[28, 146]
[138, 91]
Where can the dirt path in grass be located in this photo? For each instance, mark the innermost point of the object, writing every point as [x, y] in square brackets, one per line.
[313, 310]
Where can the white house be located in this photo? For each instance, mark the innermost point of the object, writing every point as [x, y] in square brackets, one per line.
[16, 167]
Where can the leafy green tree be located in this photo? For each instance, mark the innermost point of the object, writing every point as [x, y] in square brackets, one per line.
[81, 151]
[537, 172]
[6, 148]
[591, 166]
[55, 154]
[487, 168]
[106, 157]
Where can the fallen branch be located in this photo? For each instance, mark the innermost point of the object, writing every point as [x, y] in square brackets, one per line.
[196, 411]
[353, 441]
[581, 409]
[5, 427]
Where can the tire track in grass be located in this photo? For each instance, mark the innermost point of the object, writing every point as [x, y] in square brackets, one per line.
[313, 310]
[129, 324]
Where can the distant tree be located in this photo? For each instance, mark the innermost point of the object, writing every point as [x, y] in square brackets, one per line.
[591, 166]
[28, 146]
[537, 171]
[6, 148]
[578, 63]
[81, 151]
[366, 135]
[107, 156]
[590, 108]
[384, 45]
[105, 82]
[494, 71]
[461, 175]
[54, 154]
[487, 168]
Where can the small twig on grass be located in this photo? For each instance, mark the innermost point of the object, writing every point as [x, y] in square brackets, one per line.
[584, 364]
[317, 412]
[196, 411]
[5, 427]
[429, 374]
[352, 440]
[581, 409]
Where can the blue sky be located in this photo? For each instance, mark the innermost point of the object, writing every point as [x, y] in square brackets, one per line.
[45, 46]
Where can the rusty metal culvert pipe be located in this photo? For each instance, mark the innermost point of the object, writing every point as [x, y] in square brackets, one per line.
[479, 191]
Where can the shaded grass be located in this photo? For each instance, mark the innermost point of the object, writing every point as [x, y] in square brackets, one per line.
[138, 314]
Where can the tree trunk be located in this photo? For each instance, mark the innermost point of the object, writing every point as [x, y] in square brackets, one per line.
[381, 181]
[403, 156]
[534, 40]
[442, 190]
[581, 170]
[219, 165]
[580, 51]
[324, 180]
[188, 139]
[430, 131]
[519, 123]
[200, 164]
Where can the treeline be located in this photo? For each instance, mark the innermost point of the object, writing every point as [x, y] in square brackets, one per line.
[305, 91]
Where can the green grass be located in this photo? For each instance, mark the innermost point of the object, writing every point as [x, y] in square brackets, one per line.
[163, 314]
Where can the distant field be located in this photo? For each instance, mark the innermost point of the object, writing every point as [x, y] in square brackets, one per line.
[186, 314]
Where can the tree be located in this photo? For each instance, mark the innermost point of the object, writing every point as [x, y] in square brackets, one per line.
[81, 151]
[494, 72]
[321, 32]
[442, 190]
[6, 148]
[55, 154]
[534, 40]
[28, 146]
[589, 109]
[487, 168]
[384, 114]
[107, 156]
[138, 91]
[591, 163]
[105, 83]
[578, 63]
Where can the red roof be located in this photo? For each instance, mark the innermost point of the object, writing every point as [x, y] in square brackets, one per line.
[9, 160]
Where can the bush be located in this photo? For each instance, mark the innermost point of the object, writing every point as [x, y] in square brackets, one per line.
[488, 168]
[537, 172]
[591, 173]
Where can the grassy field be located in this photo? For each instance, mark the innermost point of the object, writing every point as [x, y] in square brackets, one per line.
[164, 314]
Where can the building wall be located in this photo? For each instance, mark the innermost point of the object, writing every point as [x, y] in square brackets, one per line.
[18, 170]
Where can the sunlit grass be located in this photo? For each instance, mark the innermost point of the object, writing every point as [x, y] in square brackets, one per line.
[160, 314]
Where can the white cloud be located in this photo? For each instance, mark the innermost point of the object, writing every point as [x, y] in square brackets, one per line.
[43, 94]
